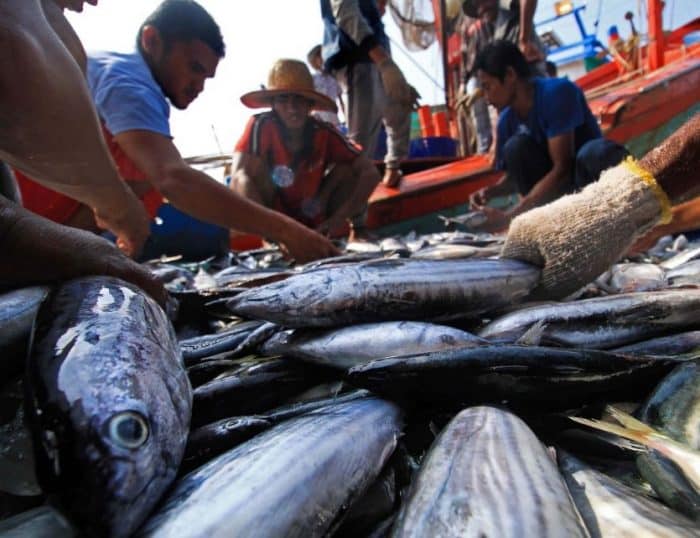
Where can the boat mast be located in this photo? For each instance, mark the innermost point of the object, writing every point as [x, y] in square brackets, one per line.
[656, 34]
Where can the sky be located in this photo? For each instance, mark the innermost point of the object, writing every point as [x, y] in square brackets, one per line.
[259, 32]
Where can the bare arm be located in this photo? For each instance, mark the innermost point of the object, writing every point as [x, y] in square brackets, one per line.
[250, 178]
[366, 177]
[526, 45]
[49, 128]
[674, 163]
[197, 194]
[36, 250]
[527, 13]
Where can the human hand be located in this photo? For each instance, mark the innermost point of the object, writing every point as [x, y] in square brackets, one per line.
[129, 222]
[97, 256]
[305, 245]
[496, 220]
[395, 85]
[577, 237]
[531, 51]
[480, 198]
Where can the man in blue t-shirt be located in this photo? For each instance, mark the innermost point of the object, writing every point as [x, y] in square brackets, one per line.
[179, 47]
[548, 141]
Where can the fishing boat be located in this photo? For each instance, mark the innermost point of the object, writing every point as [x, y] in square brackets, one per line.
[637, 107]
[637, 103]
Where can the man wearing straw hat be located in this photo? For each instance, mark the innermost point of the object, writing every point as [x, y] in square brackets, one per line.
[292, 162]
[178, 48]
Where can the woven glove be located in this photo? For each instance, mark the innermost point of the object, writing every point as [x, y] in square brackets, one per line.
[395, 85]
[577, 237]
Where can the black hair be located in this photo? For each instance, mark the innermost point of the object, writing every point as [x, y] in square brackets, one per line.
[313, 53]
[184, 20]
[495, 59]
[551, 68]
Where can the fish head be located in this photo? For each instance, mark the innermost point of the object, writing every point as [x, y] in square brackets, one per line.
[115, 465]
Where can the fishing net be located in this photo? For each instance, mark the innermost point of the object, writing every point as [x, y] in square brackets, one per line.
[416, 20]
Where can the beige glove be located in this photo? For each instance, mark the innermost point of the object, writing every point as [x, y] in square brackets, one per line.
[394, 82]
[576, 238]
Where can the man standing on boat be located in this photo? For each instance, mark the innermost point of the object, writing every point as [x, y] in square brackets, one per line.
[547, 142]
[179, 48]
[356, 50]
[293, 162]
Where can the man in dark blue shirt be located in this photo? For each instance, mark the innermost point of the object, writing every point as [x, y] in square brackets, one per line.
[548, 141]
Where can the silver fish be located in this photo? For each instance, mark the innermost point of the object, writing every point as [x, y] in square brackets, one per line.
[488, 475]
[387, 290]
[603, 322]
[345, 347]
[109, 403]
[293, 480]
[612, 509]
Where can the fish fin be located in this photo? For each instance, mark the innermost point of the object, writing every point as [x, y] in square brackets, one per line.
[533, 336]
[621, 431]
[628, 421]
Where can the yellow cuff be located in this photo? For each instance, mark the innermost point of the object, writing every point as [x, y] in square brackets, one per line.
[633, 166]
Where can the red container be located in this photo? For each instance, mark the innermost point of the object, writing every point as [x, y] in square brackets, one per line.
[442, 128]
[425, 119]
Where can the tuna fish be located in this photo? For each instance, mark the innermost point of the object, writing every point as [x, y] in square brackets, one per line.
[488, 475]
[612, 509]
[528, 376]
[674, 409]
[109, 403]
[345, 347]
[296, 479]
[603, 322]
[386, 290]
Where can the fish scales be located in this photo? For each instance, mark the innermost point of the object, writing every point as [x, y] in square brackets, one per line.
[293, 480]
[603, 322]
[109, 403]
[611, 509]
[387, 290]
[488, 475]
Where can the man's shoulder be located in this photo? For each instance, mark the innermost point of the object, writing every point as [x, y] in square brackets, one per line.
[550, 87]
[106, 67]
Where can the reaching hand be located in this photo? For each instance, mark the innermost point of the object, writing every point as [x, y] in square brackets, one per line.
[305, 245]
[129, 222]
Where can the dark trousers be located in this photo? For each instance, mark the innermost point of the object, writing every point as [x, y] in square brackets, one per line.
[527, 162]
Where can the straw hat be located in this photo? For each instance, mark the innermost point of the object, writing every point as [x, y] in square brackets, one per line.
[288, 76]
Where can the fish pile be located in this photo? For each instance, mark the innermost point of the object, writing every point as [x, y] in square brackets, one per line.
[405, 388]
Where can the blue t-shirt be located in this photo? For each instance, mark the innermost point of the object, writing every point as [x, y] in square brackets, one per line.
[126, 95]
[558, 107]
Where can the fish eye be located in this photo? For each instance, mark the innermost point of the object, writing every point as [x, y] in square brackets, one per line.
[128, 429]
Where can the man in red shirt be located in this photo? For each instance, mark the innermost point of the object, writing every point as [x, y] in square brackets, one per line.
[294, 163]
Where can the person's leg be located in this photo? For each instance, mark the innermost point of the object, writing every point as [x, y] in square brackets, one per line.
[480, 116]
[365, 103]
[594, 157]
[397, 121]
[365, 107]
[526, 162]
